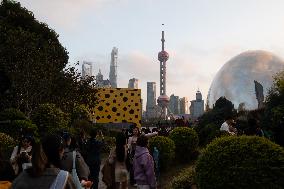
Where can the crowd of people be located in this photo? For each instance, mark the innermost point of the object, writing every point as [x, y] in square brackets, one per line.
[63, 161]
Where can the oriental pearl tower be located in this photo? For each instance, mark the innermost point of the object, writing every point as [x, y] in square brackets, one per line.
[163, 99]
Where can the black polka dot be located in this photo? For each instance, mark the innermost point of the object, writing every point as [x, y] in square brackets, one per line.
[132, 94]
[128, 105]
[124, 121]
[98, 117]
[131, 111]
[107, 95]
[136, 104]
[100, 108]
[123, 115]
[106, 111]
[118, 114]
[108, 116]
[130, 119]
[131, 100]
[111, 91]
[136, 116]
[124, 108]
[103, 116]
[115, 95]
[138, 94]
[107, 104]
[121, 94]
[114, 109]
[114, 101]
[118, 104]
[125, 99]
[115, 120]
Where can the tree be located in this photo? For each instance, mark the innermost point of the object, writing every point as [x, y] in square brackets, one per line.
[31, 56]
[274, 109]
[34, 61]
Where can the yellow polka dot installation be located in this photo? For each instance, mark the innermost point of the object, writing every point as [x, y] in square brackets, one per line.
[118, 105]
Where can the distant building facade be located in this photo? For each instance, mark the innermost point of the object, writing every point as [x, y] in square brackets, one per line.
[113, 68]
[133, 83]
[87, 69]
[197, 106]
[101, 83]
[184, 105]
[174, 104]
[151, 100]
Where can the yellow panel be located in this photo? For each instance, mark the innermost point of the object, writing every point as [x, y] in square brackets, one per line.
[118, 105]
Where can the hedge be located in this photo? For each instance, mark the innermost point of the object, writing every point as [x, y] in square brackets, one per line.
[241, 162]
[185, 179]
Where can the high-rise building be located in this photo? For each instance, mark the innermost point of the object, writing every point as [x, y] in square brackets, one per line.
[184, 105]
[86, 69]
[101, 83]
[197, 106]
[133, 83]
[113, 68]
[151, 100]
[174, 104]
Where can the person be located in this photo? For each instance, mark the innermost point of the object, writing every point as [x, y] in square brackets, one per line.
[143, 165]
[131, 149]
[118, 157]
[227, 126]
[22, 154]
[67, 160]
[93, 157]
[7, 173]
[82, 142]
[44, 173]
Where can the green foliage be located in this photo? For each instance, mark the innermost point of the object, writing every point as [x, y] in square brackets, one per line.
[211, 121]
[24, 127]
[184, 180]
[50, 119]
[109, 143]
[166, 147]
[35, 63]
[12, 114]
[241, 162]
[80, 112]
[6, 141]
[273, 121]
[186, 142]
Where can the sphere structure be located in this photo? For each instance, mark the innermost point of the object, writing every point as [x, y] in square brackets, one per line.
[235, 80]
[163, 56]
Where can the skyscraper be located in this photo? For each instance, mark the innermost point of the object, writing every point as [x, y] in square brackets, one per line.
[86, 69]
[197, 106]
[101, 83]
[151, 100]
[133, 83]
[113, 68]
[174, 104]
[184, 105]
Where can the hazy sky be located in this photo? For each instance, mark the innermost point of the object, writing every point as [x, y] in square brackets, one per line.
[201, 36]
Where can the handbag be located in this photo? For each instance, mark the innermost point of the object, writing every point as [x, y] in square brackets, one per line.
[108, 170]
[74, 173]
[60, 180]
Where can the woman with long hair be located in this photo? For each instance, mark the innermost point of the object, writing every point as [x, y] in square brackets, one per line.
[45, 171]
[118, 156]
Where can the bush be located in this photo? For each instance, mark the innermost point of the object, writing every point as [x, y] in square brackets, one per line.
[12, 114]
[186, 142]
[24, 127]
[109, 143]
[241, 162]
[184, 180]
[50, 119]
[6, 144]
[166, 147]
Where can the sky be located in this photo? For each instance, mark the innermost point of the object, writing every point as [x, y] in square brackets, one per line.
[201, 36]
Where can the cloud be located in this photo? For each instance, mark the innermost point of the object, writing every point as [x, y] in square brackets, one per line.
[66, 14]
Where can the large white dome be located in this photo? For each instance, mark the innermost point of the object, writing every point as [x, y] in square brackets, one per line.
[235, 80]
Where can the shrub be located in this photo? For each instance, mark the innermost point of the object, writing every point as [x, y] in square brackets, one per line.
[24, 127]
[241, 162]
[166, 147]
[186, 142]
[12, 114]
[50, 119]
[6, 144]
[184, 180]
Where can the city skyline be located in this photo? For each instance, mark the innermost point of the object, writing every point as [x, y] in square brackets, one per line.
[201, 36]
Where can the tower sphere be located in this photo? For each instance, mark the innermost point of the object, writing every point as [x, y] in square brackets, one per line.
[235, 80]
[163, 56]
